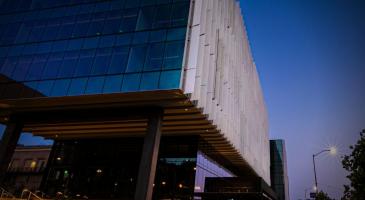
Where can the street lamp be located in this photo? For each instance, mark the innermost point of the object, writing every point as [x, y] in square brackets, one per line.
[333, 152]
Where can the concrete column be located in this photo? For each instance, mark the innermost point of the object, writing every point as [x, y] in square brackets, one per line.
[8, 145]
[147, 166]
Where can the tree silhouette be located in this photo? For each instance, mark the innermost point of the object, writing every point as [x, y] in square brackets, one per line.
[355, 165]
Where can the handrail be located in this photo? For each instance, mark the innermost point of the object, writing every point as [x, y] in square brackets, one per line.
[30, 195]
[5, 193]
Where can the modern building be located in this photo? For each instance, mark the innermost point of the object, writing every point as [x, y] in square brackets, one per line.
[26, 168]
[278, 168]
[143, 98]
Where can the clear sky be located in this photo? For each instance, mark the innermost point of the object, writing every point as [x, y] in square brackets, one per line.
[310, 55]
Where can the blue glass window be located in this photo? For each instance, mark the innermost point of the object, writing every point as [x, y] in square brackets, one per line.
[59, 46]
[173, 56]
[163, 16]
[117, 4]
[9, 66]
[82, 26]
[112, 84]
[170, 79]
[16, 50]
[154, 57]
[85, 63]
[51, 31]
[180, 14]
[45, 87]
[145, 18]
[45, 47]
[69, 64]
[24, 32]
[67, 27]
[129, 20]
[106, 41]
[131, 82]
[77, 86]
[30, 49]
[52, 67]
[176, 34]
[91, 43]
[21, 68]
[149, 81]
[157, 36]
[119, 60]
[136, 58]
[60, 87]
[97, 25]
[94, 85]
[75, 44]
[124, 39]
[36, 68]
[140, 37]
[101, 62]
[112, 24]
[131, 3]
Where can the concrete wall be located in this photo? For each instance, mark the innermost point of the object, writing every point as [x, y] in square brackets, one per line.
[220, 74]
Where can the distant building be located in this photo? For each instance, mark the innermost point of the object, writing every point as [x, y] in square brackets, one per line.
[27, 167]
[278, 169]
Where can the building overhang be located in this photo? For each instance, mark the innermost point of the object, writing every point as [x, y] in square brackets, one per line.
[121, 115]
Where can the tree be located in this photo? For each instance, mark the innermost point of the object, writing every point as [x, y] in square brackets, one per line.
[355, 165]
[322, 196]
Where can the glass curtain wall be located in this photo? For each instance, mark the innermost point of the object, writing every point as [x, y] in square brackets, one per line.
[68, 48]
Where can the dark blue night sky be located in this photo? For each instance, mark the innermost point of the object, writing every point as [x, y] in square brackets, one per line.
[311, 60]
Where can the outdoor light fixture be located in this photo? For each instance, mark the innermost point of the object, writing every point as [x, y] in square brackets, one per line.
[163, 183]
[59, 158]
[194, 168]
[333, 151]
[180, 185]
[99, 171]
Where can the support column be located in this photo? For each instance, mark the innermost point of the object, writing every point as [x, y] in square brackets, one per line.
[147, 166]
[47, 170]
[8, 145]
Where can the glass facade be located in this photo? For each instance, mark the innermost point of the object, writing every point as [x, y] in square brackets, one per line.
[206, 167]
[277, 168]
[68, 48]
[108, 168]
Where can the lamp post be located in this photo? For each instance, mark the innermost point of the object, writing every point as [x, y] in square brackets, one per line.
[332, 151]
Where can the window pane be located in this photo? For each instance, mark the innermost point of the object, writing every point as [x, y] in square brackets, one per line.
[180, 14]
[158, 36]
[163, 15]
[77, 86]
[91, 43]
[170, 79]
[136, 58]
[176, 34]
[150, 81]
[9, 66]
[106, 41]
[75, 44]
[112, 84]
[119, 60]
[85, 63]
[124, 39]
[52, 67]
[69, 64]
[129, 20]
[36, 68]
[94, 85]
[145, 18]
[101, 62]
[173, 56]
[21, 68]
[45, 87]
[140, 37]
[154, 57]
[131, 82]
[60, 87]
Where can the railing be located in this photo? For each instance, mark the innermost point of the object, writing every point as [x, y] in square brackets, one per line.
[5, 194]
[28, 195]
